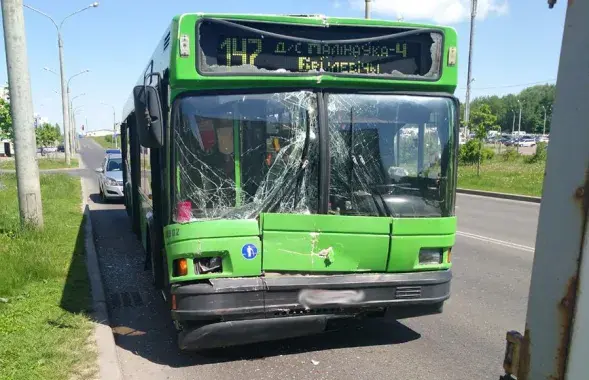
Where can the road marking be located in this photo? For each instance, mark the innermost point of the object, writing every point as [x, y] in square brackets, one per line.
[534, 204]
[496, 241]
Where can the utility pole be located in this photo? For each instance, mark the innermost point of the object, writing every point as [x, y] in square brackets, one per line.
[64, 87]
[368, 9]
[17, 65]
[513, 123]
[544, 129]
[519, 124]
[114, 123]
[473, 14]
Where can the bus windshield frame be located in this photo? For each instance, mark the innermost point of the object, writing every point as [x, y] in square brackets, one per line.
[279, 154]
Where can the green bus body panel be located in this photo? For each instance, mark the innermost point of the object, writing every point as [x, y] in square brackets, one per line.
[324, 252]
[174, 233]
[326, 223]
[311, 244]
[325, 243]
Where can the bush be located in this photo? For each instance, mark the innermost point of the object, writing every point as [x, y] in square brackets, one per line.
[487, 154]
[540, 155]
[108, 138]
[469, 153]
[510, 154]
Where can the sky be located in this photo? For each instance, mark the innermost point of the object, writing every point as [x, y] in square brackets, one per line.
[517, 43]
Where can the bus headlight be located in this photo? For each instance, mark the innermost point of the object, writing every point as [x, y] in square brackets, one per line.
[431, 256]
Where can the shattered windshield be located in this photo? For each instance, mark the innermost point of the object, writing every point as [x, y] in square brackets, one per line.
[240, 155]
[390, 155]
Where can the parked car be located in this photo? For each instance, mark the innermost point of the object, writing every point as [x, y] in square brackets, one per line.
[110, 177]
[113, 151]
[526, 142]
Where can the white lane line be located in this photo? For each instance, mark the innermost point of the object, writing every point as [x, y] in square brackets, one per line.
[496, 241]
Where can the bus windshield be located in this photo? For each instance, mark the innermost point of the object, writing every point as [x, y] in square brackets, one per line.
[390, 155]
[241, 155]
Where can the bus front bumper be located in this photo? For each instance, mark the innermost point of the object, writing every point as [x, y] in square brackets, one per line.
[233, 311]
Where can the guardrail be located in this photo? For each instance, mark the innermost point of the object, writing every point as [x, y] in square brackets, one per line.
[516, 197]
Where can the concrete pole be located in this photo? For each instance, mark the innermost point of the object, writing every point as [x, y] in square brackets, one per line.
[64, 102]
[513, 123]
[544, 129]
[368, 9]
[21, 102]
[473, 14]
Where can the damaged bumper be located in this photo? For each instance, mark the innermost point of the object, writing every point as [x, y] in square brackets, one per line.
[233, 311]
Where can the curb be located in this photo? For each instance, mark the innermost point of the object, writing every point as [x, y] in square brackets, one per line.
[108, 361]
[491, 194]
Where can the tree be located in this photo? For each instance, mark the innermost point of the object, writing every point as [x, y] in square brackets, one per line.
[482, 120]
[6, 130]
[47, 134]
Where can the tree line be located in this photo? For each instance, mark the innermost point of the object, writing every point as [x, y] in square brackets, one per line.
[533, 100]
[46, 133]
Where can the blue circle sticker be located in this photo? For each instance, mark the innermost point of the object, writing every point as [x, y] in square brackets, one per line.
[249, 251]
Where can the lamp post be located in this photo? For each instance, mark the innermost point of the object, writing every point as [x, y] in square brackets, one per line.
[469, 80]
[544, 129]
[71, 135]
[114, 123]
[64, 94]
[73, 121]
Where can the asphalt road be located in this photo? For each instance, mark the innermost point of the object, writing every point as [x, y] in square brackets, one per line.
[492, 266]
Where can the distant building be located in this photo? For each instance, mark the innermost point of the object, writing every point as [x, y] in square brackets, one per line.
[99, 132]
[6, 148]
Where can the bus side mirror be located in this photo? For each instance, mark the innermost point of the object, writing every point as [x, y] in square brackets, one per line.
[148, 114]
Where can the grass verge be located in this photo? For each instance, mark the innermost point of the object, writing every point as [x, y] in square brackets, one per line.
[45, 329]
[514, 177]
[102, 140]
[44, 164]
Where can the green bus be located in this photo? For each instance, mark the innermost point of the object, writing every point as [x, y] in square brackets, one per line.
[286, 173]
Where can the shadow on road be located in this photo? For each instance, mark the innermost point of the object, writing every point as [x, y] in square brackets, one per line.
[141, 321]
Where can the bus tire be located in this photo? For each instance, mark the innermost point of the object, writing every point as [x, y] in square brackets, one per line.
[156, 261]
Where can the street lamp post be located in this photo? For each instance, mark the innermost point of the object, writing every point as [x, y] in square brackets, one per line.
[513, 124]
[473, 14]
[70, 136]
[73, 121]
[544, 129]
[367, 9]
[64, 95]
[114, 123]
[519, 123]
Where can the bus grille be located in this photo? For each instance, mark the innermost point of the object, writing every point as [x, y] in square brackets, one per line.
[408, 292]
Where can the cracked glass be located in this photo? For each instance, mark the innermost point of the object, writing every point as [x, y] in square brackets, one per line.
[390, 155]
[240, 155]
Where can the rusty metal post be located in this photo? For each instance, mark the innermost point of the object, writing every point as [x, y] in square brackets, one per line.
[553, 344]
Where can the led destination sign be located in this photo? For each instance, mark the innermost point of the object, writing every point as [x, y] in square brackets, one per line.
[228, 47]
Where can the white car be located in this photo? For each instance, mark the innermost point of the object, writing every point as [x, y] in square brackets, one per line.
[526, 142]
[110, 177]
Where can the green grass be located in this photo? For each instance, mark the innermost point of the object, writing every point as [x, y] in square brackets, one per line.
[515, 177]
[105, 144]
[45, 329]
[44, 164]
